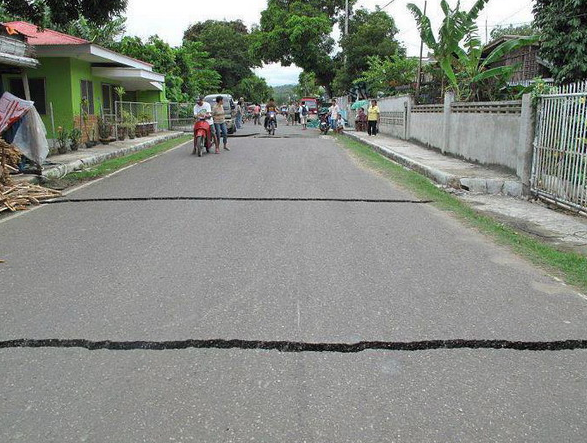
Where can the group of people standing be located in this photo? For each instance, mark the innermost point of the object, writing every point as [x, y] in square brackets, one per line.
[297, 113]
[369, 121]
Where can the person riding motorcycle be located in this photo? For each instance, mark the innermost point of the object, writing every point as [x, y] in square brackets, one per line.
[271, 107]
[203, 108]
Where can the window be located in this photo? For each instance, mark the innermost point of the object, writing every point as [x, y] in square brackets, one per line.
[37, 88]
[108, 98]
[88, 94]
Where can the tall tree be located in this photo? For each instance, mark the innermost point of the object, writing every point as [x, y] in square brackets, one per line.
[228, 43]
[522, 30]
[62, 12]
[371, 34]
[563, 26]
[298, 31]
[253, 89]
[188, 68]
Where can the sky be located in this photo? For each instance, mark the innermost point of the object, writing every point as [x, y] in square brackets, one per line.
[147, 17]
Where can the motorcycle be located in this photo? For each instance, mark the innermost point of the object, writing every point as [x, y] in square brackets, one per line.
[272, 123]
[202, 135]
[324, 124]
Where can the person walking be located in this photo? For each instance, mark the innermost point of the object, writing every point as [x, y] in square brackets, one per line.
[239, 114]
[291, 114]
[257, 114]
[297, 114]
[334, 111]
[219, 117]
[373, 118]
[303, 111]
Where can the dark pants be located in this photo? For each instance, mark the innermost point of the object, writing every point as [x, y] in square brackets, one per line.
[372, 128]
[297, 117]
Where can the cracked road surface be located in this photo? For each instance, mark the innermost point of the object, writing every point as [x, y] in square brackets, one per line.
[331, 272]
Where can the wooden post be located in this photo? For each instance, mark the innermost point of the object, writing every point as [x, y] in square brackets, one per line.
[25, 84]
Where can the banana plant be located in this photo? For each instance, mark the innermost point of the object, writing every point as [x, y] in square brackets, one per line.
[456, 25]
[474, 70]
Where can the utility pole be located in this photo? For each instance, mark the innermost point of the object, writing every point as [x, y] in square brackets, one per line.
[419, 81]
[346, 26]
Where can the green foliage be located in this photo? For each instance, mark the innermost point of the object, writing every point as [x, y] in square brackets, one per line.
[520, 30]
[104, 35]
[371, 34]
[62, 12]
[383, 75]
[228, 43]
[253, 89]
[285, 93]
[188, 68]
[469, 74]
[297, 31]
[307, 85]
[563, 26]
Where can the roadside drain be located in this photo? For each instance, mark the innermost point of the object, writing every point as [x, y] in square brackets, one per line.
[290, 346]
[236, 199]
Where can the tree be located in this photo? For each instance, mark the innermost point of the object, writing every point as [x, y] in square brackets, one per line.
[253, 89]
[62, 12]
[228, 44]
[383, 75]
[521, 30]
[563, 26]
[298, 31]
[104, 35]
[307, 85]
[371, 34]
[188, 68]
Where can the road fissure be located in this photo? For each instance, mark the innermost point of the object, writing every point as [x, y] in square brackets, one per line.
[236, 199]
[298, 347]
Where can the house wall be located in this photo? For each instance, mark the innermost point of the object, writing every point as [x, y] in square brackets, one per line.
[57, 91]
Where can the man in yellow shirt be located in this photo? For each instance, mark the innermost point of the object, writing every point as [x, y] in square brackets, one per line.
[373, 118]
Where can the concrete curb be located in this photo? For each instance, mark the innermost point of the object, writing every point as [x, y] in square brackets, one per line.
[64, 169]
[473, 184]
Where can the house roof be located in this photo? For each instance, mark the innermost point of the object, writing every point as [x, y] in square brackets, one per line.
[504, 38]
[49, 43]
[42, 37]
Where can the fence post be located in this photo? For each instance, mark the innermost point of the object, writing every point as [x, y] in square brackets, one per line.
[407, 116]
[449, 98]
[525, 150]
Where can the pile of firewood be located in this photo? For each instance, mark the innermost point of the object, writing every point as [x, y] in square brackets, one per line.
[18, 197]
[11, 156]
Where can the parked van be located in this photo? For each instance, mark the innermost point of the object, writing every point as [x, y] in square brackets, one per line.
[229, 110]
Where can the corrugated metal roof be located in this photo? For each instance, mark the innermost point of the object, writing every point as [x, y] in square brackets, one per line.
[45, 37]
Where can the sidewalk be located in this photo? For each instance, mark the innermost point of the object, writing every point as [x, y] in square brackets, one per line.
[58, 165]
[491, 192]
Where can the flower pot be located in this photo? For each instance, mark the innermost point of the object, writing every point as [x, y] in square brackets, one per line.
[74, 146]
[121, 134]
[105, 141]
[62, 149]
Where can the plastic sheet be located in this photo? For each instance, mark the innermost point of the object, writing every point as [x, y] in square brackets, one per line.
[31, 137]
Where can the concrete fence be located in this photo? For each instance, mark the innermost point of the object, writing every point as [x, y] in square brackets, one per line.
[498, 134]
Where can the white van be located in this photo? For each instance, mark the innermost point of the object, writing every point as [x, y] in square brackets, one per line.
[229, 110]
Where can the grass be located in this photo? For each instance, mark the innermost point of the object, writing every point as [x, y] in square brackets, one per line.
[570, 266]
[110, 166]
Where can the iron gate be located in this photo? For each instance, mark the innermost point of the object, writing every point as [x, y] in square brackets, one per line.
[559, 167]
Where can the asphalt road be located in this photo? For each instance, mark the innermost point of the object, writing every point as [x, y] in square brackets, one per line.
[312, 272]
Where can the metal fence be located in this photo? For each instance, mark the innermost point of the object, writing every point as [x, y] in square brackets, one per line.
[181, 116]
[559, 168]
[154, 116]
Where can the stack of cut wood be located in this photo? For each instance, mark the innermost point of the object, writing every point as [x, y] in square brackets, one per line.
[9, 159]
[18, 197]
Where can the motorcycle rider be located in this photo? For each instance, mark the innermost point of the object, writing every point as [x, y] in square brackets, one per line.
[203, 107]
[271, 107]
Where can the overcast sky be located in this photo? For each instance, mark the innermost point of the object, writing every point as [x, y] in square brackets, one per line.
[147, 17]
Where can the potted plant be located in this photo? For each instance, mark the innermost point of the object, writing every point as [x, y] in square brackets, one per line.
[74, 137]
[122, 131]
[104, 131]
[120, 91]
[62, 139]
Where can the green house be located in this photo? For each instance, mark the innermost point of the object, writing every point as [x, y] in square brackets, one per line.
[76, 77]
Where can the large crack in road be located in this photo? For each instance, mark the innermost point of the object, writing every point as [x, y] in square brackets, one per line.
[297, 347]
